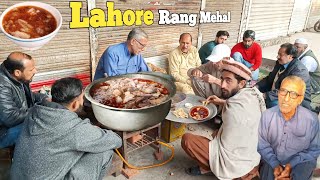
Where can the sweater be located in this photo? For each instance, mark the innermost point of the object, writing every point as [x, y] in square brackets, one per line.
[54, 139]
[253, 54]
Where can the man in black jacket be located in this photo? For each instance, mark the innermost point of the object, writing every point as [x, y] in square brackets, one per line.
[286, 65]
[16, 97]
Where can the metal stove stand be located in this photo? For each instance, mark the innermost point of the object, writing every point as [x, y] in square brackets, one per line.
[149, 137]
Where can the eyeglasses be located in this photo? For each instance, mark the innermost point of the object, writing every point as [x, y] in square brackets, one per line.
[142, 45]
[292, 94]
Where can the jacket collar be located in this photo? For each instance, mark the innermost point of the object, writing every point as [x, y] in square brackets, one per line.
[288, 65]
[52, 104]
[10, 77]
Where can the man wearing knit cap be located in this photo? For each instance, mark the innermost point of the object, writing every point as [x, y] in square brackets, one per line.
[307, 57]
[233, 152]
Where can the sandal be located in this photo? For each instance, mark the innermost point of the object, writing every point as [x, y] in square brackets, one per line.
[195, 171]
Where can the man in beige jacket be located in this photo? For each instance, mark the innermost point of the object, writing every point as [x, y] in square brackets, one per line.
[184, 57]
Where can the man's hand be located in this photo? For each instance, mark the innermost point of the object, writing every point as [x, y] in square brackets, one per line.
[251, 69]
[277, 171]
[215, 100]
[211, 79]
[285, 174]
[196, 72]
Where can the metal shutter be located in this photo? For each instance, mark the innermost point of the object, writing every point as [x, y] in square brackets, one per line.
[209, 30]
[299, 15]
[269, 18]
[314, 14]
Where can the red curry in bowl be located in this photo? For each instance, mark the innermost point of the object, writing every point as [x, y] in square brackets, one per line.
[199, 112]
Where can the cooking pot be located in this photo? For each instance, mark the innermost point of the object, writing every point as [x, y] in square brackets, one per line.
[131, 119]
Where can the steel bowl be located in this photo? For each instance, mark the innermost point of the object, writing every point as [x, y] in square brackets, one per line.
[131, 119]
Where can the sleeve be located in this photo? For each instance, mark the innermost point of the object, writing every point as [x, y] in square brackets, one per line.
[10, 114]
[310, 63]
[302, 73]
[110, 64]
[206, 68]
[313, 150]
[202, 53]
[107, 65]
[143, 65]
[205, 51]
[257, 58]
[174, 70]
[93, 139]
[197, 58]
[264, 147]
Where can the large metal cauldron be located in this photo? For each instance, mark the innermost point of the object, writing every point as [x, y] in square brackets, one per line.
[132, 119]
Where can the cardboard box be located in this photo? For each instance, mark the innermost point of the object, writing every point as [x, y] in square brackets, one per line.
[171, 131]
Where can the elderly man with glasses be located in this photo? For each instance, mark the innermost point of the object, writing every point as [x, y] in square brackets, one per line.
[125, 57]
[289, 135]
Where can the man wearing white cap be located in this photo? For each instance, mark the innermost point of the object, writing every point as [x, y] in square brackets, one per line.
[181, 59]
[233, 152]
[206, 78]
[307, 57]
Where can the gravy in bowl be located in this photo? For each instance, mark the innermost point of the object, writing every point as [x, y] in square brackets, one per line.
[28, 22]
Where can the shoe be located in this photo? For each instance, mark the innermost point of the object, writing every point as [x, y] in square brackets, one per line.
[195, 171]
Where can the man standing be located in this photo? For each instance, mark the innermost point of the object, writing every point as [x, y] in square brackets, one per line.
[289, 140]
[125, 57]
[248, 53]
[286, 65]
[206, 49]
[184, 57]
[233, 152]
[16, 97]
[56, 144]
[307, 57]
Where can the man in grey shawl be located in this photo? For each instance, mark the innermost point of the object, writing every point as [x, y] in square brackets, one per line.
[56, 144]
[233, 151]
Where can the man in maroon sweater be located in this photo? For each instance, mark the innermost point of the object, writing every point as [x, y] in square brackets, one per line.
[248, 53]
